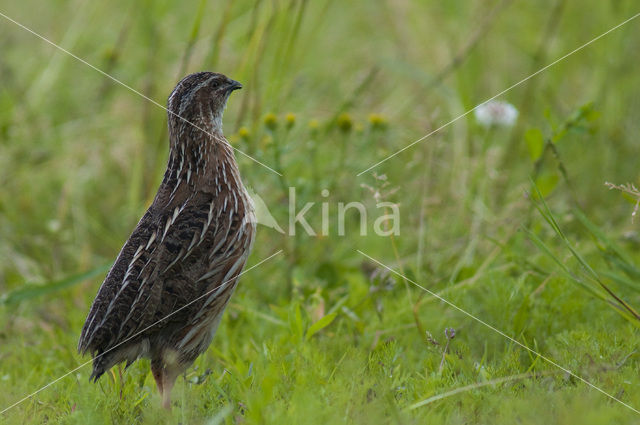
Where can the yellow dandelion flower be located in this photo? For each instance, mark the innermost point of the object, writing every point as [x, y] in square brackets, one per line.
[271, 120]
[377, 121]
[290, 119]
[314, 125]
[344, 122]
[244, 132]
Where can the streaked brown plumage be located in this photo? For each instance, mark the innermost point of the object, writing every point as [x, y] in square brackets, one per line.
[165, 294]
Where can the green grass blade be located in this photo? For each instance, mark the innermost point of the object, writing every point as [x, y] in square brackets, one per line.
[29, 290]
[320, 324]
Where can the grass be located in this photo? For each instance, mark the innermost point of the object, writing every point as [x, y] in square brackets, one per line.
[514, 225]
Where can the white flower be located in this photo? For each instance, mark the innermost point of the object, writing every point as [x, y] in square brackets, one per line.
[496, 112]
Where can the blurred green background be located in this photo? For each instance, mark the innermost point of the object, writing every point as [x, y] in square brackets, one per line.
[513, 224]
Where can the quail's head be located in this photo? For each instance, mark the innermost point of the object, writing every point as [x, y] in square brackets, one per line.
[199, 99]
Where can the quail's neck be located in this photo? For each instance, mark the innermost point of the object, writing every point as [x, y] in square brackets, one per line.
[204, 163]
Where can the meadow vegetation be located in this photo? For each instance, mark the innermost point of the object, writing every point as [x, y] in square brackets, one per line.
[512, 224]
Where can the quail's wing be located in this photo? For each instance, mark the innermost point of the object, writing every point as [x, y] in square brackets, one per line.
[197, 253]
[98, 331]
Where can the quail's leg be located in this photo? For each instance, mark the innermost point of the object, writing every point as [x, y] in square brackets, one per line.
[156, 370]
[169, 375]
[121, 381]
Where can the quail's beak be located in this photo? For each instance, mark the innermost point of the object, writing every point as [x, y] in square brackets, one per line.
[234, 85]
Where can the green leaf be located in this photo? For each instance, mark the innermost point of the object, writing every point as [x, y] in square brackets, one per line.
[546, 183]
[535, 143]
[30, 290]
[295, 322]
[320, 324]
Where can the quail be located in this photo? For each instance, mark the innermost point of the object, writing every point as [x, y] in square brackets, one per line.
[165, 294]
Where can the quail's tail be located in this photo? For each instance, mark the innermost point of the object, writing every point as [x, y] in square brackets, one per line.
[99, 367]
